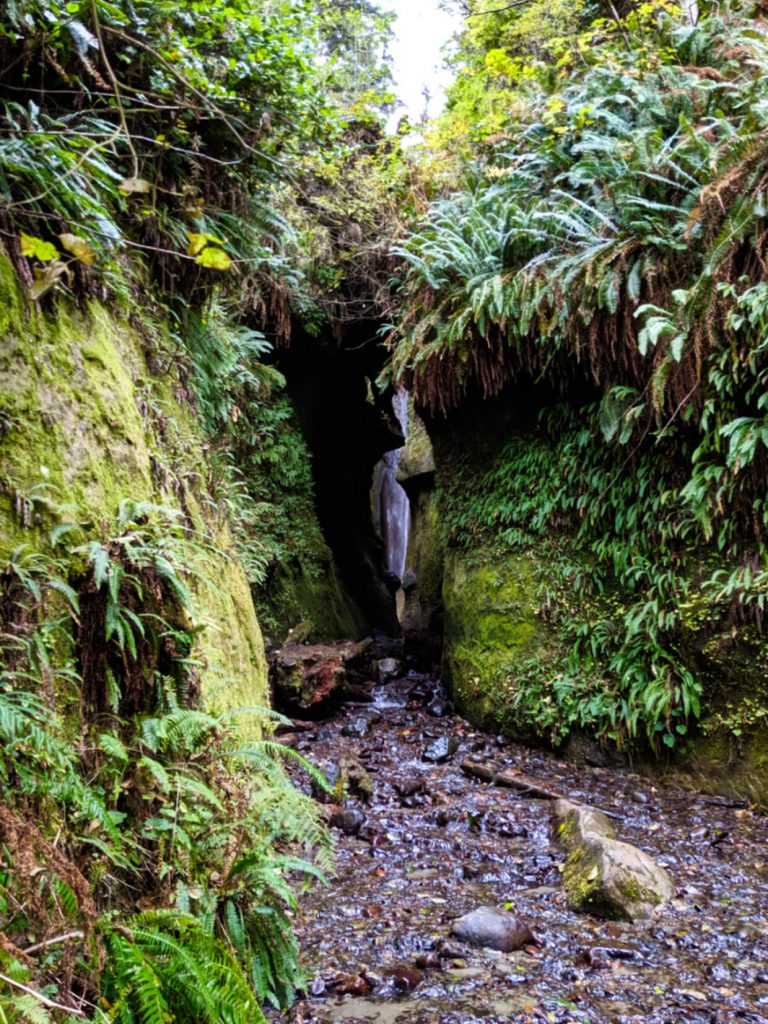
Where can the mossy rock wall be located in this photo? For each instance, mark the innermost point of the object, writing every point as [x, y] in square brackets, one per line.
[512, 616]
[491, 630]
[423, 605]
[85, 416]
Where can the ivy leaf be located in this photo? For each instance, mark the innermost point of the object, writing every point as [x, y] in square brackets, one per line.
[37, 249]
[79, 248]
[139, 186]
[214, 258]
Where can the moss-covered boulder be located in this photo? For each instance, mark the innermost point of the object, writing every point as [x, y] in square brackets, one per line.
[604, 876]
[492, 629]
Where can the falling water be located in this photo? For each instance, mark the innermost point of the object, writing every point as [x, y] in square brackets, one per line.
[394, 508]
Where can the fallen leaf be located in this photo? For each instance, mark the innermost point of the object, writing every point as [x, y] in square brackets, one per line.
[79, 248]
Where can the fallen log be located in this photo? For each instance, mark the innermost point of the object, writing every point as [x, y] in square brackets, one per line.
[524, 785]
[521, 783]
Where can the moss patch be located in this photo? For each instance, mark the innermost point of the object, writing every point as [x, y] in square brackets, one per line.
[491, 629]
[80, 418]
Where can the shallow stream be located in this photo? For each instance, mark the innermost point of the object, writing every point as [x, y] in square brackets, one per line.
[434, 844]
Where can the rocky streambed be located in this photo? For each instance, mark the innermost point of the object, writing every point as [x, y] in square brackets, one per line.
[422, 842]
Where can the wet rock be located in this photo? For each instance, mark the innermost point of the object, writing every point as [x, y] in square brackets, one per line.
[438, 707]
[410, 581]
[348, 820]
[603, 876]
[441, 749]
[356, 778]
[428, 961]
[288, 739]
[387, 668]
[345, 777]
[422, 690]
[604, 955]
[408, 787]
[352, 984]
[357, 727]
[447, 950]
[495, 929]
[308, 676]
[405, 979]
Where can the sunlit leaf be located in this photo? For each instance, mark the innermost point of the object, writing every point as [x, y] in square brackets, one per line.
[37, 249]
[79, 248]
[214, 258]
[135, 185]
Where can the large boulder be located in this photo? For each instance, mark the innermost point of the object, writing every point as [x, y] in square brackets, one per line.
[308, 677]
[604, 876]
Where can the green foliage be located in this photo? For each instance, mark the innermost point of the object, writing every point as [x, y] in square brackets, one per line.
[163, 966]
[633, 566]
[608, 246]
[167, 133]
[611, 234]
[160, 805]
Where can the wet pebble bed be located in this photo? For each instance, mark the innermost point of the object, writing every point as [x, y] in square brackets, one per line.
[430, 844]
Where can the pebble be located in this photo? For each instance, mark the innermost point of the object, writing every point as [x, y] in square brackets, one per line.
[348, 820]
[356, 727]
[441, 749]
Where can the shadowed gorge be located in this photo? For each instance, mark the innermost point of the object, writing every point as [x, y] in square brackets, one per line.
[383, 515]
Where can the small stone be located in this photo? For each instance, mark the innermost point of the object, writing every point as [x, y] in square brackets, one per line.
[357, 727]
[387, 668]
[495, 929]
[437, 707]
[405, 979]
[348, 820]
[447, 950]
[441, 749]
[407, 787]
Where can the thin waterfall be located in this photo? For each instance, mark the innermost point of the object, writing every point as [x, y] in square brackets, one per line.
[394, 508]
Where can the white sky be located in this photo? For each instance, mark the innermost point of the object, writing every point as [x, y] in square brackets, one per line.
[420, 32]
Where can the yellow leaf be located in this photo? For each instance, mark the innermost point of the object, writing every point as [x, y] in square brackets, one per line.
[214, 258]
[37, 248]
[196, 243]
[593, 874]
[79, 248]
[130, 185]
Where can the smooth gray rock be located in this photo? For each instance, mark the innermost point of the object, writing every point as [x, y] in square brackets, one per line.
[348, 819]
[441, 749]
[494, 929]
[387, 668]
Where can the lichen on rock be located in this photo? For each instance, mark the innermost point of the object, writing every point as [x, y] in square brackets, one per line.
[604, 876]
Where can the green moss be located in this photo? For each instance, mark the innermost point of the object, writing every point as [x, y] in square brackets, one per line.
[426, 558]
[491, 630]
[81, 420]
